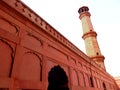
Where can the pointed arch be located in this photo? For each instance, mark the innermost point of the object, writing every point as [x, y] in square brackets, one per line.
[57, 79]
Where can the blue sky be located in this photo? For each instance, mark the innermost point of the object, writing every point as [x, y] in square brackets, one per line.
[105, 16]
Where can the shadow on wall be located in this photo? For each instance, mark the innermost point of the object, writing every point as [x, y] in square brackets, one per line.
[57, 79]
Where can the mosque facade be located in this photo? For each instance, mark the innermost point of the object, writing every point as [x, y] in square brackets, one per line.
[33, 53]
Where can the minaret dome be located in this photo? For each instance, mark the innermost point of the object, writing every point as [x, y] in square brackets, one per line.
[83, 9]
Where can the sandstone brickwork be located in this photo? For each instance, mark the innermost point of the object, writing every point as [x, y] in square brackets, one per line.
[30, 48]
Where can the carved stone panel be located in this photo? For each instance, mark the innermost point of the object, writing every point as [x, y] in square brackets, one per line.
[87, 83]
[32, 41]
[31, 67]
[81, 79]
[75, 78]
[72, 61]
[9, 26]
[6, 58]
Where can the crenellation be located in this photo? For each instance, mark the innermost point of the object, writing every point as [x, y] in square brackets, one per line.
[33, 17]
[36, 19]
[26, 12]
[51, 30]
[48, 28]
[19, 5]
[60, 37]
[43, 25]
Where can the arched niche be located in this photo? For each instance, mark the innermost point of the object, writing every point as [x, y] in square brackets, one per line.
[31, 67]
[6, 58]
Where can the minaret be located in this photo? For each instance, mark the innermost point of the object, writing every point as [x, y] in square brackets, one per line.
[89, 36]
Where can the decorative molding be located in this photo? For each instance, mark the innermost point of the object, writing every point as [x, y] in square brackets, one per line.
[39, 57]
[17, 28]
[89, 34]
[38, 39]
[73, 61]
[98, 58]
[84, 14]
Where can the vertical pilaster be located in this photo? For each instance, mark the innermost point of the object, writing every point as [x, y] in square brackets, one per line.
[44, 74]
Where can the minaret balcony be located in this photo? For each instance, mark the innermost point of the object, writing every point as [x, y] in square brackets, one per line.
[86, 13]
[89, 34]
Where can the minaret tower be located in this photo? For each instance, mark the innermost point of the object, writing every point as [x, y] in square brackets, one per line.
[89, 36]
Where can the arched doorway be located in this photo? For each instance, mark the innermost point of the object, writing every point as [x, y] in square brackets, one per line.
[57, 79]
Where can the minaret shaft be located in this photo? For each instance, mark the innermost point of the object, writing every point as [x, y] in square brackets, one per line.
[86, 24]
[91, 48]
[89, 36]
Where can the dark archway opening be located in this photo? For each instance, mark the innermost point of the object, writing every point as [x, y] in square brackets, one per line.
[104, 86]
[57, 79]
[91, 82]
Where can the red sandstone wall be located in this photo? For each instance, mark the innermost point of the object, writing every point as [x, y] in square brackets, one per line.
[30, 47]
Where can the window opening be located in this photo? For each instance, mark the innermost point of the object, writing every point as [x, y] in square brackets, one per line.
[97, 53]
